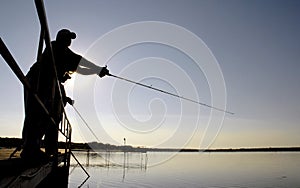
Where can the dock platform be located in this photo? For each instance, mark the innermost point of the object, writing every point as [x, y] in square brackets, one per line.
[16, 173]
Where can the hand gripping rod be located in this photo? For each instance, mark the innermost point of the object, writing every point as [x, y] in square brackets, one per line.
[172, 94]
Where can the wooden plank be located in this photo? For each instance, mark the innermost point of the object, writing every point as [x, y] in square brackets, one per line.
[32, 177]
[15, 173]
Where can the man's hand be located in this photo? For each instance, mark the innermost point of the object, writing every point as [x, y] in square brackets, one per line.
[70, 101]
[104, 71]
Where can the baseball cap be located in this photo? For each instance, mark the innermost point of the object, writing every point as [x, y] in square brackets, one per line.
[65, 33]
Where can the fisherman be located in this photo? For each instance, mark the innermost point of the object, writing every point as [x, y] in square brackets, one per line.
[42, 80]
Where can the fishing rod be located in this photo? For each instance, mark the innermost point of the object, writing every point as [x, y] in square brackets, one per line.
[172, 94]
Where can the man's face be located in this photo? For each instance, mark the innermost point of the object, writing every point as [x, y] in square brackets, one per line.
[66, 42]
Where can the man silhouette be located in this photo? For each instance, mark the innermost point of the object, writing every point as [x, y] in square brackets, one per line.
[42, 79]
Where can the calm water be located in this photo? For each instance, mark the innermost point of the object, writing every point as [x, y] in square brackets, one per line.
[155, 169]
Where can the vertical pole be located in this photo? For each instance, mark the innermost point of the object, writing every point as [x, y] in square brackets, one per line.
[41, 42]
[69, 145]
[44, 25]
[88, 157]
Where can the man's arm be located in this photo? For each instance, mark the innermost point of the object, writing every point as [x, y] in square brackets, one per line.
[86, 67]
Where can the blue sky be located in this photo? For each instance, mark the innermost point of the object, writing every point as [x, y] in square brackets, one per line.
[256, 44]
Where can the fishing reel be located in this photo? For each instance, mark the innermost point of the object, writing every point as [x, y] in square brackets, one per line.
[104, 71]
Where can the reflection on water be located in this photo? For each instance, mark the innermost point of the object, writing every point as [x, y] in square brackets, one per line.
[128, 169]
[112, 159]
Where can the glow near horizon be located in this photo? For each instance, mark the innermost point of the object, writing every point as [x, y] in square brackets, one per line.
[256, 44]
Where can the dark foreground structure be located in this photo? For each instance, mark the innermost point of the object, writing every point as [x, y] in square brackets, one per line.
[16, 173]
[52, 172]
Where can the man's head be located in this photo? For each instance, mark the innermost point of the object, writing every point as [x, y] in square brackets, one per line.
[64, 37]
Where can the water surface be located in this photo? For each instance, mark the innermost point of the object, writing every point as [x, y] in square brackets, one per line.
[157, 169]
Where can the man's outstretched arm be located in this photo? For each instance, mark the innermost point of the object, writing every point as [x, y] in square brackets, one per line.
[86, 67]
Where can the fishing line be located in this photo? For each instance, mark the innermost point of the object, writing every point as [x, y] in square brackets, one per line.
[86, 124]
[172, 94]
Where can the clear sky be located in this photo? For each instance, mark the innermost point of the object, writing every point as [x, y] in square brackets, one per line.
[256, 45]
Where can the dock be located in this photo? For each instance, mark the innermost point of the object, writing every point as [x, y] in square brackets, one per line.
[16, 173]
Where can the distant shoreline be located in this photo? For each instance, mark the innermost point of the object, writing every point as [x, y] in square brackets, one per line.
[15, 142]
[269, 149]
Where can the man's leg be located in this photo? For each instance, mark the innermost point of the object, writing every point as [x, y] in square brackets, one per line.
[32, 130]
[51, 139]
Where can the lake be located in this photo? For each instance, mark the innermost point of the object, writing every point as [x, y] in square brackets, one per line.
[167, 169]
